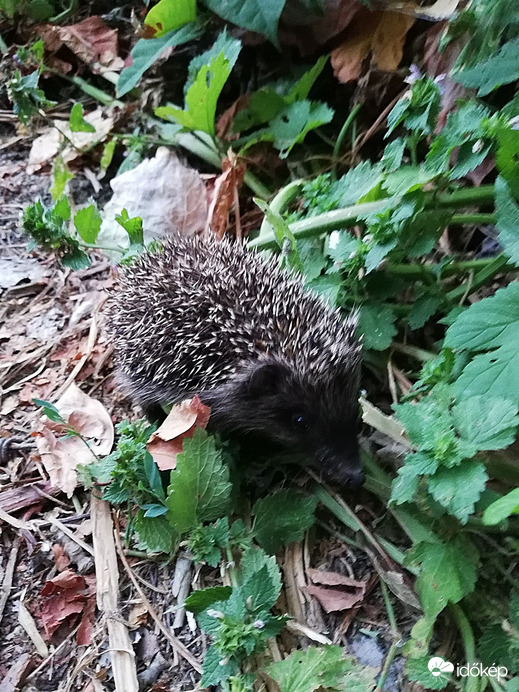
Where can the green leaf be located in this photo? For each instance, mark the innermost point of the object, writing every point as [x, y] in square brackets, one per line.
[49, 410]
[490, 323]
[76, 259]
[201, 98]
[88, 223]
[488, 423]
[302, 87]
[253, 560]
[406, 179]
[260, 591]
[501, 509]
[200, 600]
[199, 489]
[284, 236]
[357, 183]
[459, 488]
[77, 123]
[447, 572]
[417, 670]
[168, 15]
[507, 157]
[406, 483]
[377, 325]
[261, 16]
[132, 226]
[62, 208]
[501, 68]
[108, 154]
[294, 122]
[423, 309]
[60, 175]
[316, 667]
[282, 518]
[155, 533]
[494, 374]
[148, 51]
[507, 211]
[153, 475]
[225, 44]
[217, 667]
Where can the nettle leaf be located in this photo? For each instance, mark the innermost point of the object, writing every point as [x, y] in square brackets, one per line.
[167, 15]
[507, 156]
[217, 668]
[448, 572]
[501, 68]
[260, 591]
[155, 533]
[393, 154]
[201, 98]
[488, 423]
[294, 122]
[320, 667]
[459, 488]
[406, 483]
[407, 179]
[261, 16]
[490, 323]
[494, 374]
[417, 670]
[501, 509]
[199, 489]
[88, 223]
[77, 123]
[328, 286]
[346, 246]
[148, 51]
[282, 518]
[253, 560]
[507, 211]
[377, 325]
[357, 183]
[377, 253]
[424, 307]
[424, 421]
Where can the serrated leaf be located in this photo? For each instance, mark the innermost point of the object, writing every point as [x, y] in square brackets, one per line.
[346, 246]
[377, 325]
[201, 98]
[377, 253]
[507, 157]
[216, 668]
[168, 15]
[316, 667]
[459, 488]
[357, 183]
[155, 533]
[418, 671]
[147, 51]
[406, 483]
[259, 591]
[199, 489]
[261, 16]
[76, 260]
[328, 286]
[494, 374]
[406, 179]
[423, 309]
[501, 68]
[294, 122]
[448, 572]
[200, 600]
[77, 123]
[254, 559]
[495, 648]
[282, 518]
[88, 223]
[501, 509]
[507, 211]
[488, 423]
[393, 154]
[490, 323]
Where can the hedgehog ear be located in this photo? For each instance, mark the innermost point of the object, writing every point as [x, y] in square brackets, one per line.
[265, 378]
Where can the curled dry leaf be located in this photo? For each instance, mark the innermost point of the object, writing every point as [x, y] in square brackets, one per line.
[166, 442]
[225, 194]
[335, 591]
[60, 138]
[163, 192]
[380, 35]
[91, 40]
[62, 455]
[64, 599]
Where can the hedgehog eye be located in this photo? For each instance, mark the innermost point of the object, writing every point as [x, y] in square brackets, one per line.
[299, 421]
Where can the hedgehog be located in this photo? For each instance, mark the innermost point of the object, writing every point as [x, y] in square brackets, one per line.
[273, 361]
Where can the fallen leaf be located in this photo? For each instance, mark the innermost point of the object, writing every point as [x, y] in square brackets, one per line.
[166, 442]
[225, 194]
[62, 455]
[63, 599]
[72, 145]
[336, 591]
[163, 192]
[380, 35]
[61, 559]
[137, 616]
[226, 120]
[91, 40]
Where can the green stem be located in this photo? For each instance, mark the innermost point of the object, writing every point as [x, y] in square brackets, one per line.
[476, 219]
[418, 270]
[340, 139]
[469, 646]
[494, 266]
[279, 203]
[108, 248]
[393, 650]
[349, 216]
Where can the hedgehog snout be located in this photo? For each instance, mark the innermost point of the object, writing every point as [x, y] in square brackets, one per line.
[342, 468]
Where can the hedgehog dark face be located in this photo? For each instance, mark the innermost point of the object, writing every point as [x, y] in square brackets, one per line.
[308, 416]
